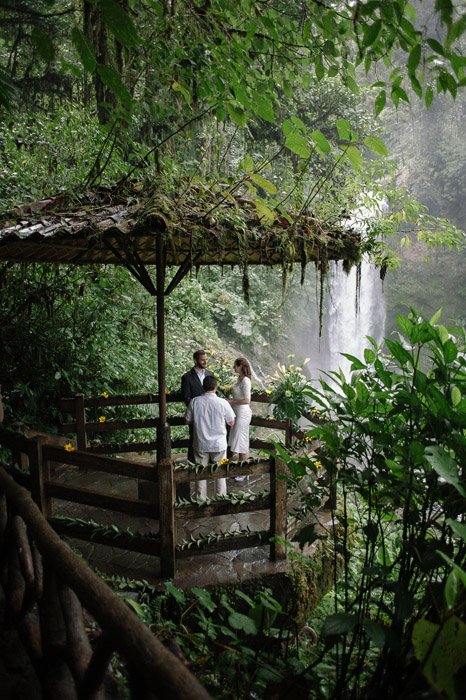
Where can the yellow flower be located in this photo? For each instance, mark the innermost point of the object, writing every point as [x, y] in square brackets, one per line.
[167, 391]
[224, 461]
[69, 447]
[317, 464]
[315, 410]
[102, 419]
[308, 438]
[270, 418]
[268, 391]
[105, 394]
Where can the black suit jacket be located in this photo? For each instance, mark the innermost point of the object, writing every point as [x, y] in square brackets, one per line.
[191, 386]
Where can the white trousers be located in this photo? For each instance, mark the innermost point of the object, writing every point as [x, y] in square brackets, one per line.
[220, 485]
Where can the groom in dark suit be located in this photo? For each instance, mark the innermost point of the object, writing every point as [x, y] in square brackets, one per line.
[191, 386]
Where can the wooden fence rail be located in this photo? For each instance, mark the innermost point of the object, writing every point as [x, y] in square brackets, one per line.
[46, 586]
[43, 458]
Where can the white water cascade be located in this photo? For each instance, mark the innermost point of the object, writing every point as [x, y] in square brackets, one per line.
[352, 310]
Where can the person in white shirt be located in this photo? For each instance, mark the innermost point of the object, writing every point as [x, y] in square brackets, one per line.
[191, 386]
[209, 414]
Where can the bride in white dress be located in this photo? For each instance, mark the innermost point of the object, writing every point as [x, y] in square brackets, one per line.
[239, 434]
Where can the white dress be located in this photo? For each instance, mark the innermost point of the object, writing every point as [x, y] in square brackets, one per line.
[238, 439]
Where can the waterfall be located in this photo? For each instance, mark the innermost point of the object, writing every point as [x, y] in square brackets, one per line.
[353, 309]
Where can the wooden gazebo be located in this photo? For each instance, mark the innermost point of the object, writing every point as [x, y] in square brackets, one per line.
[138, 231]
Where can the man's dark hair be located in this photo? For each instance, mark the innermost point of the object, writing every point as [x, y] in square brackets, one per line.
[197, 354]
[209, 383]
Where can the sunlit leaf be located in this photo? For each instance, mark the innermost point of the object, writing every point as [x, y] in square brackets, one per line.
[377, 145]
[266, 185]
[298, 144]
[320, 141]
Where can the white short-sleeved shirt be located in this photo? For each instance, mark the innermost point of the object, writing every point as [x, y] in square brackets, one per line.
[209, 414]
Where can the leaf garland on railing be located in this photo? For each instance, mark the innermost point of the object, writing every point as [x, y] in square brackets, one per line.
[101, 529]
[228, 465]
[233, 498]
[202, 540]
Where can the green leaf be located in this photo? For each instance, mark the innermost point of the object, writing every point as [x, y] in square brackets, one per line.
[461, 573]
[247, 164]
[266, 185]
[380, 102]
[414, 58]
[441, 652]
[436, 46]
[242, 622]
[458, 528]
[43, 44]
[352, 153]
[377, 145]
[429, 96]
[399, 352]
[371, 33]
[84, 48]
[338, 624]
[455, 395]
[178, 595]
[263, 108]
[138, 609]
[320, 140]
[451, 589]
[237, 113]
[435, 317]
[344, 129]
[298, 144]
[356, 362]
[120, 23]
[445, 466]
[204, 598]
[375, 632]
[113, 81]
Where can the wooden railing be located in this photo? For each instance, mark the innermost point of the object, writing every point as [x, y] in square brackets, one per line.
[46, 586]
[164, 508]
[79, 405]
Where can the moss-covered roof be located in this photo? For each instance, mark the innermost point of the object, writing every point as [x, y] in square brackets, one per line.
[205, 227]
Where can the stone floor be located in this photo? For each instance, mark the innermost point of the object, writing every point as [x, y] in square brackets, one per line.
[223, 567]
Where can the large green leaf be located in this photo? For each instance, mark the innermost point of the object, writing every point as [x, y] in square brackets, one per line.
[321, 141]
[298, 144]
[445, 466]
[344, 129]
[120, 23]
[113, 81]
[264, 109]
[339, 624]
[266, 185]
[84, 48]
[242, 622]
[377, 145]
[43, 44]
[371, 33]
[441, 652]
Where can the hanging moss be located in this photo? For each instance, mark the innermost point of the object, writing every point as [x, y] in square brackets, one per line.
[357, 296]
[246, 285]
[302, 251]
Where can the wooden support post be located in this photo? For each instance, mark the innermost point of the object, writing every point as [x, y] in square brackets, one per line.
[167, 518]
[288, 433]
[278, 508]
[80, 411]
[36, 469]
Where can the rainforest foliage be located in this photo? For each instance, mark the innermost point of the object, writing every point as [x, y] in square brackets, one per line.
[280, 102]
